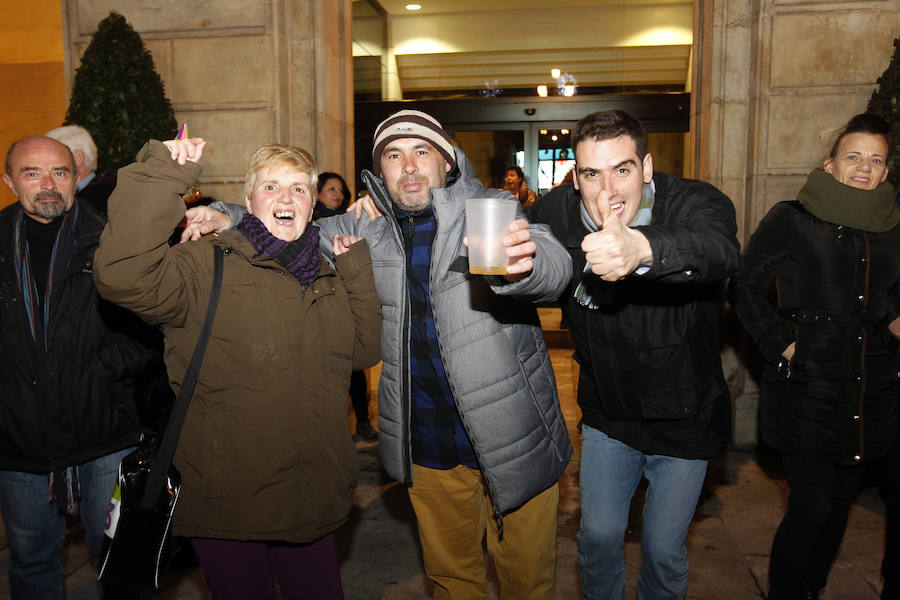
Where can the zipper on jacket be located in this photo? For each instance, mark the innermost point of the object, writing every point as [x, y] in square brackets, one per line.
[405, 385]
[862, 350]
[462, 419]
[862, 395]
[406, 388]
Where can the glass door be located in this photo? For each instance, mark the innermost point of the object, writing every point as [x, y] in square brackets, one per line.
[491, 151]
[556, 160]
[541, 150]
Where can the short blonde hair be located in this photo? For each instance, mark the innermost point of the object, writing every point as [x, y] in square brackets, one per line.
[280, 155]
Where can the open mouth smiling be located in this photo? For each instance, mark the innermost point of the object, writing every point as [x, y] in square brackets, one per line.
[284, 217]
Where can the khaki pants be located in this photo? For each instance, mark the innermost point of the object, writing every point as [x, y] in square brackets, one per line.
[455, 514]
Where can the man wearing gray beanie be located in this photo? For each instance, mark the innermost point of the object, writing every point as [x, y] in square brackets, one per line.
[469, 416]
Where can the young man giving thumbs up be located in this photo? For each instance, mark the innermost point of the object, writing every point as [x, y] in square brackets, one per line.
[650, 252]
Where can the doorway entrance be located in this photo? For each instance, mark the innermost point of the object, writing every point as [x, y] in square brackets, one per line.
[534, 134]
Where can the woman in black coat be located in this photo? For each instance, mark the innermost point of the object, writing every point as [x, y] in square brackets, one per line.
[829, 389]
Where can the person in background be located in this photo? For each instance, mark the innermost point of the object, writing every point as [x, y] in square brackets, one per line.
[73, 370]
[334, 198]
[334, 195]
[651, 253]
[266, 459]
[514, 183]
[90, 187]
[829, 386]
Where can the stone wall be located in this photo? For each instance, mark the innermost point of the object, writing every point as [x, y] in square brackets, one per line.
[781, 78]
[31, 74]
[243, 74]
[777, 79]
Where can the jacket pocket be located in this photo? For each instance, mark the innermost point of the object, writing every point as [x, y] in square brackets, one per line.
[541, 384]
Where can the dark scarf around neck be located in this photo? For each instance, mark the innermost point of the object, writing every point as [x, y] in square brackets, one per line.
[321, 211]
[832, 201]
[301, 257]
[63, 487]
[38, 298]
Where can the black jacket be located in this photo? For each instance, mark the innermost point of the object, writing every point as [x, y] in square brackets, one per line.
[651, 374]
[78, 403]
[97, 193]
[838, 289]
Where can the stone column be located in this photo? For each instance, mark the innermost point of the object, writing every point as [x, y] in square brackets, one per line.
[243, 75]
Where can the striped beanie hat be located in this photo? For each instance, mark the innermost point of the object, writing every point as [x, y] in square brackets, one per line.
[415, 124]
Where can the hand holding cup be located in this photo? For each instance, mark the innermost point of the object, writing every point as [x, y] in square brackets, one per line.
[488, 222]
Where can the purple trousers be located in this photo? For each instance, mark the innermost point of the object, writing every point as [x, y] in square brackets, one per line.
[240, 569]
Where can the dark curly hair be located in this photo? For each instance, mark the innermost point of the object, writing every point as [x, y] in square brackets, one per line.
[610, 124]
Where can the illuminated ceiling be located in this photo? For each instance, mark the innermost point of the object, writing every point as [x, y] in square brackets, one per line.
[397, 7]
[455, 45]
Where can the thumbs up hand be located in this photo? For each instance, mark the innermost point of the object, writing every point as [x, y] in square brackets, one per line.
[616, 250]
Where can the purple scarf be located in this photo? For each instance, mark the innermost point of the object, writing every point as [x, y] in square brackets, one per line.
[301, 257]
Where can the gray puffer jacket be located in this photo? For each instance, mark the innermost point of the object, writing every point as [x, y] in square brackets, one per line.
[490, 339]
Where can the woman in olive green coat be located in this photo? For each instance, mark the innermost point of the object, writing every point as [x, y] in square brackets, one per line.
[266, 457]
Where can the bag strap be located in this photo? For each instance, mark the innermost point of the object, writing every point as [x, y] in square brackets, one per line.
[166, 451]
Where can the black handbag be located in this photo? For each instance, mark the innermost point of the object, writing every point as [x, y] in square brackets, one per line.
[140, 515]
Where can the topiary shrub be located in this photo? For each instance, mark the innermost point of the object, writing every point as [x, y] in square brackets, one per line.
[885, 102]
[118, 96]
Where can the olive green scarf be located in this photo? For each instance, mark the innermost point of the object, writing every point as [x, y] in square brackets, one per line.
[832, 201]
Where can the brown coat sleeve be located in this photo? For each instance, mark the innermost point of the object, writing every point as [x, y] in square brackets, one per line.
[355, 270]
[134, 265]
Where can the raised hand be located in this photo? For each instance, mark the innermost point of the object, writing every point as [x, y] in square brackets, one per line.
[616, 250]
[189, 149]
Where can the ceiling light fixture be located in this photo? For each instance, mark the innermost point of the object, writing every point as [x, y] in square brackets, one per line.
[413, 6]
[564, 84]
[491, 89]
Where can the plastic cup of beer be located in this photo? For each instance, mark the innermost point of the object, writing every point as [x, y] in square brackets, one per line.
[487, 221]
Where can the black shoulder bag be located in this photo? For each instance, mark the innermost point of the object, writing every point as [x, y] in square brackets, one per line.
[140, 512]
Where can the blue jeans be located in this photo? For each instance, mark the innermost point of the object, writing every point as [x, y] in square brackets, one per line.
[36, 529]
[610, 473]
